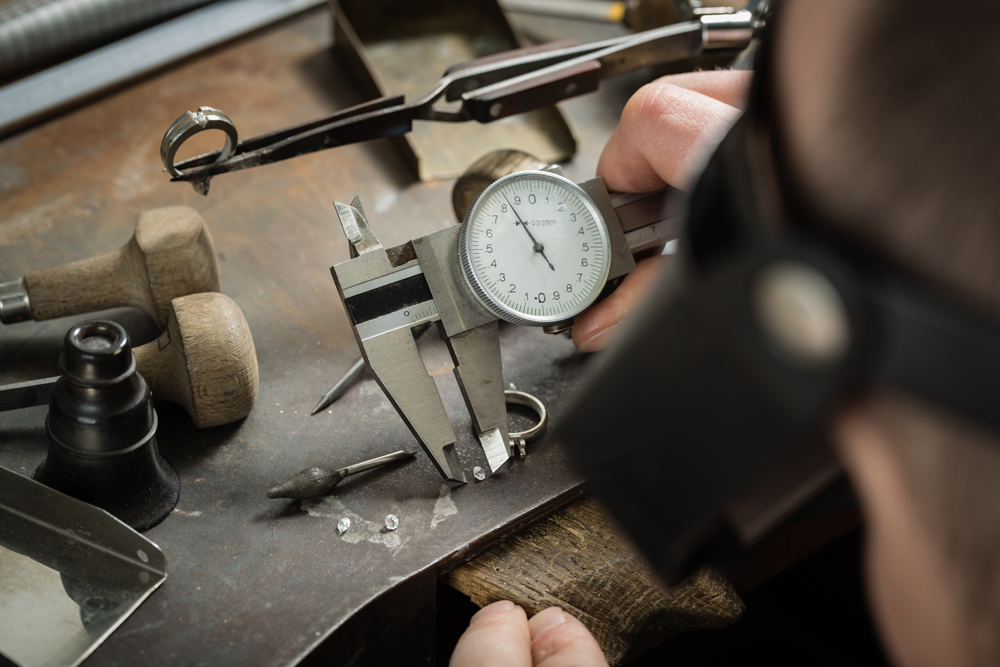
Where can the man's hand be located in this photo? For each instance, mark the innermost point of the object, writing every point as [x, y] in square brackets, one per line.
[500, 635]
[666, 134]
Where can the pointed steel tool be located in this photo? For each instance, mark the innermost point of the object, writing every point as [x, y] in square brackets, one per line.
[350, 377]
[343, 384]
[316, 482]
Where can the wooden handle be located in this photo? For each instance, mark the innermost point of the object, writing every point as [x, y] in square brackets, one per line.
[204, 360]
[106, 281]
[170, 255]
[536, 92]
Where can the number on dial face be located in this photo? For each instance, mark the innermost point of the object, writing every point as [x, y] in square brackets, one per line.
[535, 249]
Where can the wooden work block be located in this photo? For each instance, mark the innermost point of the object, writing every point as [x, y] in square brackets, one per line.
[578, 560]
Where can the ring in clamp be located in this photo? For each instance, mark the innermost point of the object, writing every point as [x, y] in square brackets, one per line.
[522, 438]
[191, 123]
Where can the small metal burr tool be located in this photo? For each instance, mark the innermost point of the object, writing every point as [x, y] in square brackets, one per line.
[316, 482]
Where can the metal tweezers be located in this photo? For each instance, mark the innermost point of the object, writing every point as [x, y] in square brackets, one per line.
[489, 88]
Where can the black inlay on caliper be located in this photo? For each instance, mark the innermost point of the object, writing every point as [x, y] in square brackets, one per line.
[388, 299]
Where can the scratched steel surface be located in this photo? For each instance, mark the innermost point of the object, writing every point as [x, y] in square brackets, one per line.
[254, 581]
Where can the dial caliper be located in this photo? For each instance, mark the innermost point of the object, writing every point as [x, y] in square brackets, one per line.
[535, 249]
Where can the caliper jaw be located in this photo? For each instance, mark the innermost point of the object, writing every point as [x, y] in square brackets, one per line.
[386, 293]
[399, 370]
[479, 371]
[473, 338]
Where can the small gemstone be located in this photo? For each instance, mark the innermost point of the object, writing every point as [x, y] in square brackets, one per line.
[200, 117]
[391, 522]
[479, 473]
[343, 525]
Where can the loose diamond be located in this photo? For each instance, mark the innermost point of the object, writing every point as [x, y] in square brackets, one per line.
[343, 525]
[391, 522]
[479, 473]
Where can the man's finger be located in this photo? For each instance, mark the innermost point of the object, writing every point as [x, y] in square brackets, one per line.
[560, 640]
[597, 326]
[729, 86]
[498, 636]
[665, 136]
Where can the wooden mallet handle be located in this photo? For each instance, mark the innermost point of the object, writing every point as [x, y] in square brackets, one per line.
[170, 255]
[204, 360]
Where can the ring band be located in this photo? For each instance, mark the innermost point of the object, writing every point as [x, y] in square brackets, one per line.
[522, 438]
[191, 123]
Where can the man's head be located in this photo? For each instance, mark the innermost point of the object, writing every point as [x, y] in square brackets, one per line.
[888, 116]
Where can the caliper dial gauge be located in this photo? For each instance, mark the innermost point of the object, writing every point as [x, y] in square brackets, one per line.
[534, 249]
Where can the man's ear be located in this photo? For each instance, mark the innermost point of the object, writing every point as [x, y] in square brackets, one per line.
[913, 592]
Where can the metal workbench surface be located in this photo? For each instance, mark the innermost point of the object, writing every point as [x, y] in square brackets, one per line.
[254, 581]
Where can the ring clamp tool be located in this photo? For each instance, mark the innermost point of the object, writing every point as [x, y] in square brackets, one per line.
[488, 89]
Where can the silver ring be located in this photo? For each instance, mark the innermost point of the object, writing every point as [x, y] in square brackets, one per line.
[522, 438]
[191, 123]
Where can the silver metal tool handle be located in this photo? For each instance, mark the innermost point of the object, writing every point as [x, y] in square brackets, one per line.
[376, 462]
[727, 31]
[14, 303]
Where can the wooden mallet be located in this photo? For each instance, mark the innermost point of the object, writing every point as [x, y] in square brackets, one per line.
[170, 255]
[204, 361]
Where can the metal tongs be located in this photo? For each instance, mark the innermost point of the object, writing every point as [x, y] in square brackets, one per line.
[488, 89]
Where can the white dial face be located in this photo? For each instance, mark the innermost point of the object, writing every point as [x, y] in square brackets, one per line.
[535, 249]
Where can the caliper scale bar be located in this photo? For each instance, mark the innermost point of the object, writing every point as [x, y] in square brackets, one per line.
[387, 292]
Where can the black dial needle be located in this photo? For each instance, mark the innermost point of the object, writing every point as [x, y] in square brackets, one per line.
[538, 247]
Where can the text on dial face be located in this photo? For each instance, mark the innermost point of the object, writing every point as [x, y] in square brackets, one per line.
[536, 247]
